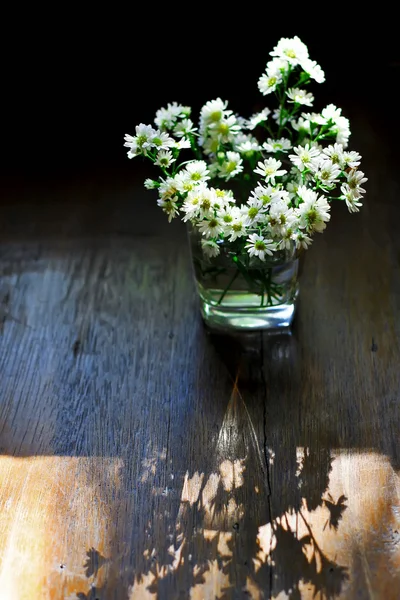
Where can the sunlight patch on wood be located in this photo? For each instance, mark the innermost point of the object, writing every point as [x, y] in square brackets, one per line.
[232, 474]
[191, 487]
[54, 514]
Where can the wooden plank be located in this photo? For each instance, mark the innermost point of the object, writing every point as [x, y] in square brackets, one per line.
[142, 457]
[100, 448]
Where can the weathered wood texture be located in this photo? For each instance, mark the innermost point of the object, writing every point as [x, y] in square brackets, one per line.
[142, 457]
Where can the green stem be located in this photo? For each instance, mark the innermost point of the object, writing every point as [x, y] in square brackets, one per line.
[267, 288]
[269, 277]
[228, 286]
[243, 271]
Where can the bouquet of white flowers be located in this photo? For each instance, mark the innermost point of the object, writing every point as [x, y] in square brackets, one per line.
[254, 187]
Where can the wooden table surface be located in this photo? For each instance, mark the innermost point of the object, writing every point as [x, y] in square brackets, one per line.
[143, 457]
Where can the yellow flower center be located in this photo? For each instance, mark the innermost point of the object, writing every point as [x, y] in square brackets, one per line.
[141, 140]
[223, 128]
[215, 116]
[311, 216]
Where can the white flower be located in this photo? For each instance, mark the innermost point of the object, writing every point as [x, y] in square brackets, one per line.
[164, 159]
[237, 228]
[302, 240]
[281, 217]
[207, 200]
[268, 83]
[233, 165]
[291, 49]
[259, 246]
[248, 146]
[161, 140]
[150, 184]
[184, 128]
[210, 227]
[199, 203]
[305, 193]
[210, 145]
[342, 129]
[352, 199]
[300, 96]
[222, 198]
[167, 117]
[227, 214]
[276, 115]
[265, 194]
[313, 69]
[277, 65]
[269, 80]
[305, 157]
[286, 241]
[197, 171]
[314, 213]
[182, 143]
[225, 129]
[293, 187]
[192, 204]
[184, 183]
[210, 248]
[302, 125]
[351, 159]
[331, 112]
[167, 188]
[253, 211]
[141, 142]
[335, 154]
[281, 196]
[316, 118]
[327, 173]
[340, 126]
[280, 145]
[269, 169]
[169, 206]
[213, 111]
[354, 180]
[131, 143]
[258, 118]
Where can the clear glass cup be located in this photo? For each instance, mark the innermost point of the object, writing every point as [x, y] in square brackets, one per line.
[240, 292]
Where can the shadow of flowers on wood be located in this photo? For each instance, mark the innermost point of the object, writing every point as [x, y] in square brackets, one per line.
[220, 548]
[94, 561]
[336, 510]
[251, 521]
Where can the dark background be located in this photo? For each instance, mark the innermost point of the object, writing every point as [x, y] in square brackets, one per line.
[74, 83]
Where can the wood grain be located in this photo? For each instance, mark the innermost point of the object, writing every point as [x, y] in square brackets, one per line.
[144, 457]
